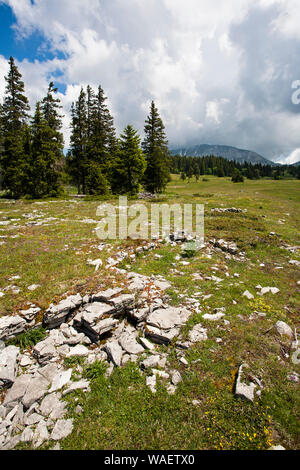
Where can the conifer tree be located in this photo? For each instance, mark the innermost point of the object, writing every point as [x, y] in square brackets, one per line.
[52, 141]
[130, 165]
[155, 146]
[13, 160]
[79, 140]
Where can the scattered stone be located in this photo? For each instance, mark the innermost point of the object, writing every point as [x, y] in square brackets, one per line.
[213, 317]
[176, 378]
[33, 287]
[147, 344]
[36, 389]
[248, 295]
[197, 334]
[283, 329]
[243, 390]
[151, 383]
[80, 385]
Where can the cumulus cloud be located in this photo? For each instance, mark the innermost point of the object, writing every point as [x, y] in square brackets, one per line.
[219, 72]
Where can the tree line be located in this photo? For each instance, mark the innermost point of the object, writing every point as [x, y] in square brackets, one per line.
[32, 162]
[188, 167]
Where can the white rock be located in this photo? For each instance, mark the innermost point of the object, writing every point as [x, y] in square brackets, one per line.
[11, 326]
[60, 380]
[62, 429]
[8, 365]
[198, 333]
[176, 378]
[115, 352]
[242, 389]
[78, 350]
[283, 329]
[248, 295]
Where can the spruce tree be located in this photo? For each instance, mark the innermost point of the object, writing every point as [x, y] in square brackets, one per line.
[13, 159]
[155, 146]
[53, 142]
[79, 140]
[130, 164]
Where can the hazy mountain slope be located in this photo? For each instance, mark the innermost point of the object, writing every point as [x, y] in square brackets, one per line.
[230, 153]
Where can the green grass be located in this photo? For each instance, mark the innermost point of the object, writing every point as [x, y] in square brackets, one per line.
[120, 412]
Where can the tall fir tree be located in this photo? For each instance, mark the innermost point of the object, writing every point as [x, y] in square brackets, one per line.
[103, 137]
[53, 142]
[13, 159]
[130, 164]
[155, 146]
[78, 161]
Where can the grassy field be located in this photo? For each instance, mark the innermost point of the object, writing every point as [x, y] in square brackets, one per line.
[48, 243]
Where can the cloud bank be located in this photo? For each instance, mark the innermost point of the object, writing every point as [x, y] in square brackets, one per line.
[219, 72]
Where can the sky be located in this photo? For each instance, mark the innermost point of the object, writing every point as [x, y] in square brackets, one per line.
[220, 71]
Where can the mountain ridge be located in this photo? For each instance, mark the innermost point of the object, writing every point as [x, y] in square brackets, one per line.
[225, 151]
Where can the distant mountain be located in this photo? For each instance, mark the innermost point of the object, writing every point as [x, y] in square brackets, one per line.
[230, 153]
[296, 164]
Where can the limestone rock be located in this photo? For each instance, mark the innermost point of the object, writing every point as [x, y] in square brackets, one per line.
[243, 390]
[17, 391]
[198, 333]
[129, 343]
[58, 314]
[36, 389]
[11, 326]
[115, 352]
[8, 365]
[62, 429]
[283, 329]
[60, 380]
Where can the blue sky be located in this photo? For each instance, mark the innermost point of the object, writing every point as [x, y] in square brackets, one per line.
[219, 72]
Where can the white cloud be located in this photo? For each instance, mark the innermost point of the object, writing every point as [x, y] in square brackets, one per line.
[208, 64]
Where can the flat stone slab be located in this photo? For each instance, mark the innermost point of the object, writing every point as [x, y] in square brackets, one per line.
[168, 318]
[18, 390]
[36, 389]
[62, 429]
[58, 314]
[106, 295]
[130, 344]
[123, 303]
[11, 326]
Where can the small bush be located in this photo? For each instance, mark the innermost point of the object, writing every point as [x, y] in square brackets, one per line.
[29, 339]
